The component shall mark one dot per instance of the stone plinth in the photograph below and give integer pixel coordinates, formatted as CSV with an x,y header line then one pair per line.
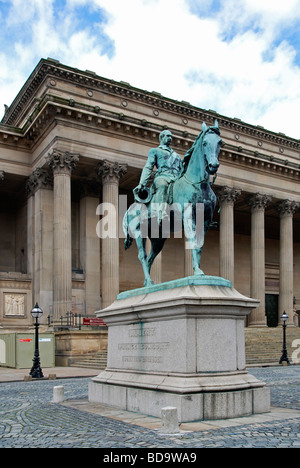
x,y
180,344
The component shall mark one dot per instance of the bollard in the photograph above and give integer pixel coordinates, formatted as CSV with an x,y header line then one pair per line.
x,y
27,378
169,420
58,394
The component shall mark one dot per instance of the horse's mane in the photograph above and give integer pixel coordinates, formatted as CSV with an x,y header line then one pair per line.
x,y
188,154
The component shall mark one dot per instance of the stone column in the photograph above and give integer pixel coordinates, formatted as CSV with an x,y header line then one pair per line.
x,y
286,210
258,204
62,164
110,174
227,197
188,261
90,245
39,188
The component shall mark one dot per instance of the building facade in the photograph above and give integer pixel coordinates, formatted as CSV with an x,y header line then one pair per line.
x,y
72,141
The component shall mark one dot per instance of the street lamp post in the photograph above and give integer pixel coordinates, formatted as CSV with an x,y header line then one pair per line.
x,y
36,371
284,357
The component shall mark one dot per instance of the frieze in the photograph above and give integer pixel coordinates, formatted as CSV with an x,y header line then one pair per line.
x,y
50,69
14,304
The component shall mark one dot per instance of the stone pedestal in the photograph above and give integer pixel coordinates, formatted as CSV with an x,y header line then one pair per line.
x,y
180,344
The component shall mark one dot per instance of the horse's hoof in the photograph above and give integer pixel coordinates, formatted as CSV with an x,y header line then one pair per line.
x,y
199,272
148,283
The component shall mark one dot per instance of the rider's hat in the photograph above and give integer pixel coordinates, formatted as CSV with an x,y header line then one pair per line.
x,y
142,195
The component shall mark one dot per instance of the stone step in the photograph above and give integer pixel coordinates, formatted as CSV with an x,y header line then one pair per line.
x,y
264,346
92,361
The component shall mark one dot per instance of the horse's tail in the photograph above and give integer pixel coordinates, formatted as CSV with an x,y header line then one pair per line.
x,y
128,242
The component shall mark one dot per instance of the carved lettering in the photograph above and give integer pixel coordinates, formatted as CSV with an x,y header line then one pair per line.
x,y
136,332
143,346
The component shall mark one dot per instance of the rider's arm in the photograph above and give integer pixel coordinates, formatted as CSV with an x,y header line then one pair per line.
x,y
147,171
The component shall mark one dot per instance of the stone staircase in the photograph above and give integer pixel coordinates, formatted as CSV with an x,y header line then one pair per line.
x,y
92,361
264,345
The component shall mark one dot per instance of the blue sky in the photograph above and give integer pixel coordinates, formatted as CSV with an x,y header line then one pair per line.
x,y
238,57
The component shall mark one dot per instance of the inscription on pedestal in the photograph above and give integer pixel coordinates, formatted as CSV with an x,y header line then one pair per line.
x,y
140,351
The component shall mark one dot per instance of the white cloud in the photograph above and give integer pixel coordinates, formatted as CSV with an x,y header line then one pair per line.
x,y
231,58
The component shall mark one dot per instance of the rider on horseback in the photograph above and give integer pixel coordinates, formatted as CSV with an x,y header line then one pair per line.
x,y
169,168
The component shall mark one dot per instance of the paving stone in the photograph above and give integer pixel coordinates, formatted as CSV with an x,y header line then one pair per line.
x,y
28,418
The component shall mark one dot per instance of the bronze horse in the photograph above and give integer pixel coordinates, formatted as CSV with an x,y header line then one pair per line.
x,y
191,192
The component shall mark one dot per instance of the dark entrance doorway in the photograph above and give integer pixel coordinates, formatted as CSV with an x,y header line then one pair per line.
x,y
272,310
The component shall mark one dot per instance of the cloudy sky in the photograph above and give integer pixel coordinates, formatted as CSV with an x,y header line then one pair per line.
x,y
240,58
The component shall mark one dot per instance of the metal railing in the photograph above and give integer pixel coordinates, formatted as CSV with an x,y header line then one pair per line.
x,y
74,321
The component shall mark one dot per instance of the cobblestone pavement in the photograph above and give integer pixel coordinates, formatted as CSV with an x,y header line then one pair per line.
x,y
28,419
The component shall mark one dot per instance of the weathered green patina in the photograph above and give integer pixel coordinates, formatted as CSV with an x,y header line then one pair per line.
x,y
202,280
179,190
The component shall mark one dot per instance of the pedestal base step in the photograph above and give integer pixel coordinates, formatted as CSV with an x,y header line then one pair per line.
x,y
191,407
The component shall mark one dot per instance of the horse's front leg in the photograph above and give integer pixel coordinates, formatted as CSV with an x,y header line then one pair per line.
x,y
195,236
196,258
142,255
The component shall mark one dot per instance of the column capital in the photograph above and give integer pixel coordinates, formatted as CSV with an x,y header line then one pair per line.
x,y
40,179
111,171
287,208
62,162
259,202
1,176
228,195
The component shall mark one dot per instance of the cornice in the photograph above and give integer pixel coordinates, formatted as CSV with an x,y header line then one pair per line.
x,y
89,79
94,119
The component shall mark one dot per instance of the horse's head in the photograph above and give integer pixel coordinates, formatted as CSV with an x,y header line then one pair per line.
x,y
211,144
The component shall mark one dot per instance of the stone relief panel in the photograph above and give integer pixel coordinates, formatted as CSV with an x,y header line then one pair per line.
x,y
14,304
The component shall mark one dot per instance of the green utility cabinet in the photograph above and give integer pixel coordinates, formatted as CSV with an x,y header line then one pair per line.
x,y
17,350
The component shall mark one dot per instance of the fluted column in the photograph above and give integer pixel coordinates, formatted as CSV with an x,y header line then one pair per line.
x,y
110,174
62,164
90,244
39,189
227,197
286,210
258,204
188,261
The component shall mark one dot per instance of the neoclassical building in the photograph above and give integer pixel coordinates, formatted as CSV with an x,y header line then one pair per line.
x,y
72,141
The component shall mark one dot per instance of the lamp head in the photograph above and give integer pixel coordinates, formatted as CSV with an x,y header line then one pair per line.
x,y
284,317
36,311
